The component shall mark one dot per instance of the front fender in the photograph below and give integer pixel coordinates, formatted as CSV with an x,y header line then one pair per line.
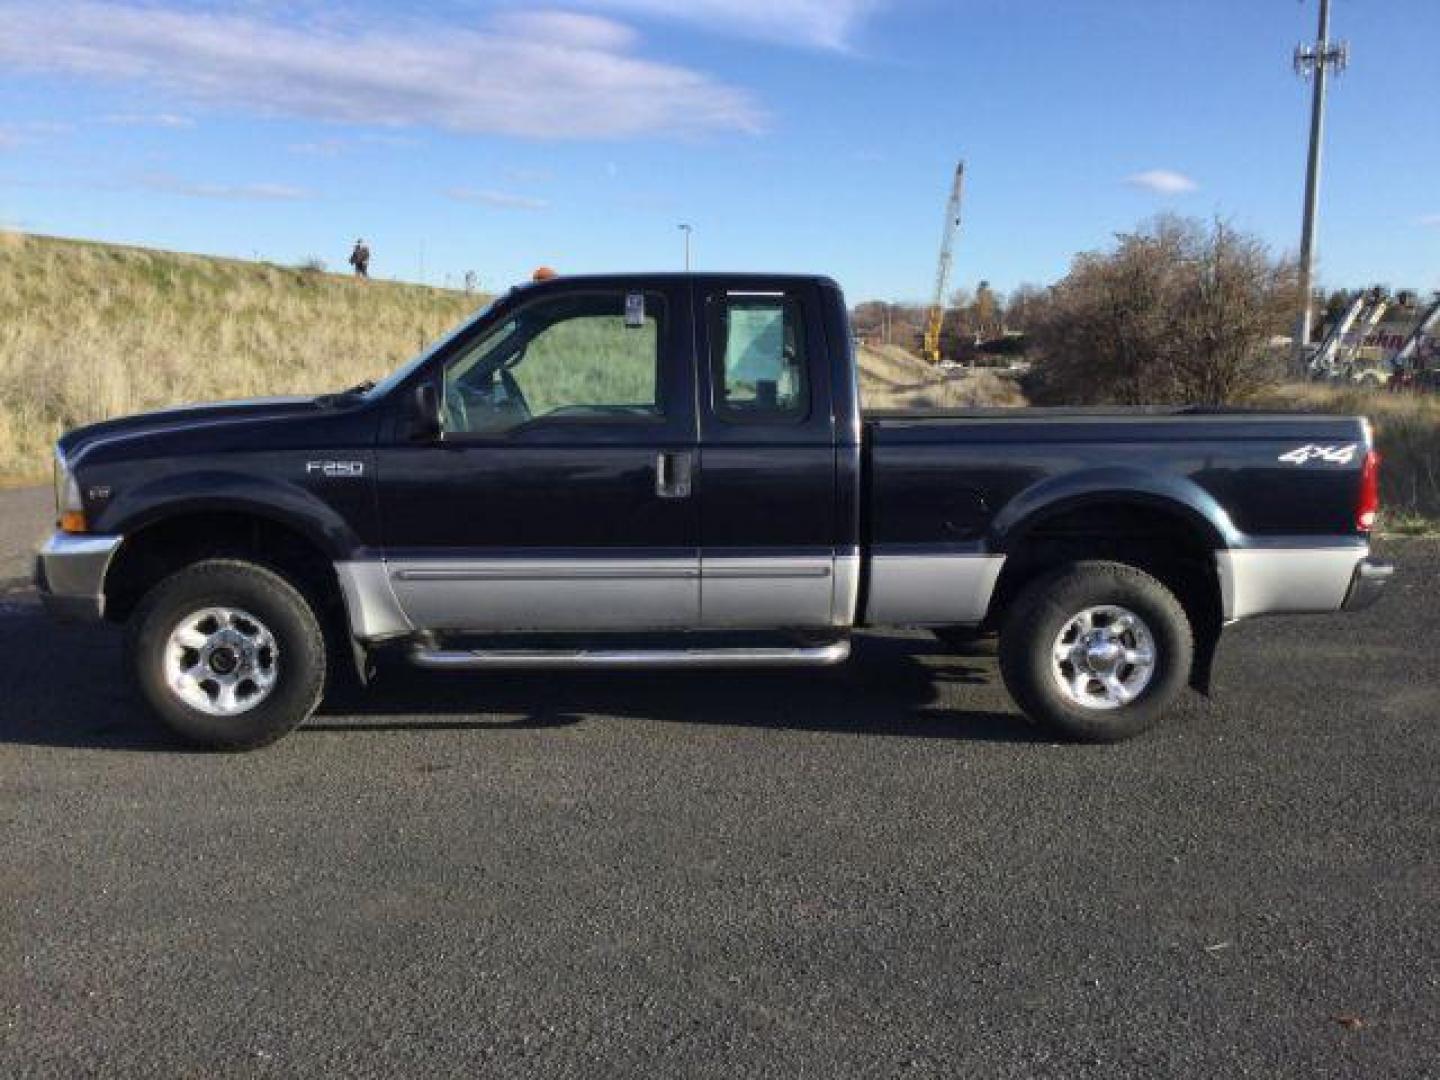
x,y
1112,485
220,491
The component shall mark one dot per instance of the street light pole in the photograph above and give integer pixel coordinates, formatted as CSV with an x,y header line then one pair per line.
x,y
1314,61
687,230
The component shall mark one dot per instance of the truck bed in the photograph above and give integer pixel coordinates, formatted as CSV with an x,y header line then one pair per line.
x,y
1003,460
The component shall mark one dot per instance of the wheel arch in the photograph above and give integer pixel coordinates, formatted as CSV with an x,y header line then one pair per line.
x,y
162,543
1174,539
1176,497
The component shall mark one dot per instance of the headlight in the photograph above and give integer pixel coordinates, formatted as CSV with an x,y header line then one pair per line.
x,y
69,508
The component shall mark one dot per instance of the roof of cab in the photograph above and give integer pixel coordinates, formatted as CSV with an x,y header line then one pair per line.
x,y
561,280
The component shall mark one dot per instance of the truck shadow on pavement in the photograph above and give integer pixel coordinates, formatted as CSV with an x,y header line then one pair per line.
x,y
64,686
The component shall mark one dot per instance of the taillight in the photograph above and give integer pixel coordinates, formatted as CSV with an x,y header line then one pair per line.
x,y
1368,505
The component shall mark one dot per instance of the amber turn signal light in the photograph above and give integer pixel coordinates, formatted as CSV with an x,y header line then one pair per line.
x,y
73,521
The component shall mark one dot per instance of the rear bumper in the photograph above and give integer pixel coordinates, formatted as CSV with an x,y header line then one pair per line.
x,y
1297,578
1367,584
70,575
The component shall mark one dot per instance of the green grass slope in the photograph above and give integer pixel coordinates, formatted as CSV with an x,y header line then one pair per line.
x,y
89,331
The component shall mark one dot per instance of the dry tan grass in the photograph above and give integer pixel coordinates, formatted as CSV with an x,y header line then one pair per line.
x,y
89,331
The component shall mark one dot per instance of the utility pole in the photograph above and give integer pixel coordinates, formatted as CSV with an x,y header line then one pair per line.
x,y
687,230
1314,61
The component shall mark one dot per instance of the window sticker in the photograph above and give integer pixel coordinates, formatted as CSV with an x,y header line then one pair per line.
x,y
755,345
634,310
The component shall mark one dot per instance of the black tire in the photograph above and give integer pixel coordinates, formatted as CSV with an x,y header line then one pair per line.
x,y
1047,607
299,652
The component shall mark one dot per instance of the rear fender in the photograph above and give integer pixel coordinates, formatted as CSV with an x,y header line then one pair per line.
x,y
1175,495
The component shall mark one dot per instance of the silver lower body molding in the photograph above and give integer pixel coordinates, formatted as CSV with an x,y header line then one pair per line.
x,y
524,660
1286,581
931,589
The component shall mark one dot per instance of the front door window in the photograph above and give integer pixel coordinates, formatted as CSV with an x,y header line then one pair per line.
x,y
586,357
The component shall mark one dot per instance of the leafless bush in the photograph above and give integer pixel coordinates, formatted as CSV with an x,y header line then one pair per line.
x,y
1178,312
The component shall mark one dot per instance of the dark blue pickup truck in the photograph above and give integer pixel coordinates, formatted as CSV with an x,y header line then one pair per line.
x,y
646,471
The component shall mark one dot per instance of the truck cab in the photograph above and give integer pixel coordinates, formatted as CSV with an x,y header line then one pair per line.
x,y
630,454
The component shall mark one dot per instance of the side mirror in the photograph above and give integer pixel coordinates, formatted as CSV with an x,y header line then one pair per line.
x,y
425,423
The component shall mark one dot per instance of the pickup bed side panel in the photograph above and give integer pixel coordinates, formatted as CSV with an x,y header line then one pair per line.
x,y
951,497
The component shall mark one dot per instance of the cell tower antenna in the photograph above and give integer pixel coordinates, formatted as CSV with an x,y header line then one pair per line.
x,y
1314,62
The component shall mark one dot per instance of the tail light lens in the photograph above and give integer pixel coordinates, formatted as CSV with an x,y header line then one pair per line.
x,y
1368,504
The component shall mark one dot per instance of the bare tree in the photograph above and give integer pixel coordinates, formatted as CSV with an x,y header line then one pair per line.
x,y
1022,306
1179,311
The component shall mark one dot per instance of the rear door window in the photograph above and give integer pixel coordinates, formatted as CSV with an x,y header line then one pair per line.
x,y
757,346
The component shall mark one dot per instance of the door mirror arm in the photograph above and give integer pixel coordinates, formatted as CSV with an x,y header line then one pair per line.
x,y
424,414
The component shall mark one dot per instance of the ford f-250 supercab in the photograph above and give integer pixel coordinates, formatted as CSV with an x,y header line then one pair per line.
x,y
673,471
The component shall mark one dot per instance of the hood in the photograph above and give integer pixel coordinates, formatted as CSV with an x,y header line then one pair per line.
x,y
182,418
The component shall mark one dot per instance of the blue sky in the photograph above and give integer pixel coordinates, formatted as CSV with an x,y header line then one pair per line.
x,y
806,135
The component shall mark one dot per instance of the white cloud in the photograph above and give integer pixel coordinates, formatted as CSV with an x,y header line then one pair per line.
x,y
530,75
1163,182
336,145
261,192
29,131
813,24
158,120
529,176
503,200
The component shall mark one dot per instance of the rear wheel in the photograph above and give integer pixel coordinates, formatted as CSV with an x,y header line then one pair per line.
x,y
228,654
1096,650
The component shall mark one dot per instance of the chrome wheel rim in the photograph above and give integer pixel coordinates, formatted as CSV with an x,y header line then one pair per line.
x,y
221,661
1103,657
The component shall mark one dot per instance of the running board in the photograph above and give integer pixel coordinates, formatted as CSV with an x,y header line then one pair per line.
x,y
520,659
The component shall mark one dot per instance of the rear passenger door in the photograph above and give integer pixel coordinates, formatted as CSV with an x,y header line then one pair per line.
x,y
768,469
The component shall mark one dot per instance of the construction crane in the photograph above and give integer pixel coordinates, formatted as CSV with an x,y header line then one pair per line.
x,y
1409,355
935,320
1324,363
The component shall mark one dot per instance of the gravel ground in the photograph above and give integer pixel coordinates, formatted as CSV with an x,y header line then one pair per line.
x,y
875,870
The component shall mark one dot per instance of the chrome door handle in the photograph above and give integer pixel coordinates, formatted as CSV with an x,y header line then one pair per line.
x,y
674,471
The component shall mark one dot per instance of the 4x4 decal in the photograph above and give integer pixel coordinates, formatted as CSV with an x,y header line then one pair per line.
x,y
1331,455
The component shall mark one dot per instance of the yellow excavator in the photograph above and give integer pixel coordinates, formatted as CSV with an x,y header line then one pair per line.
x,y
935,320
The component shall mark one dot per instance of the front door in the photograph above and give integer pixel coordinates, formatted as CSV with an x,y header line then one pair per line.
x,y
562,494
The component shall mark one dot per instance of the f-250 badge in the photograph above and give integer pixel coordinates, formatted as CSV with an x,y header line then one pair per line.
x,y
1331,455
336,470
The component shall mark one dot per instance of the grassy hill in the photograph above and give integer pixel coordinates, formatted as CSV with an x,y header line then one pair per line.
x,y
94,330
89,331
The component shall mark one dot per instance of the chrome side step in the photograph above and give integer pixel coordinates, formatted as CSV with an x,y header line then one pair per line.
x,y
521,659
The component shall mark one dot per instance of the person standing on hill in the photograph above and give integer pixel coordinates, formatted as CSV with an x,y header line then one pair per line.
x,y
360,259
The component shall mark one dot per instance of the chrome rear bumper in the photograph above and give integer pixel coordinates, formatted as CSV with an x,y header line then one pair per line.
x,y
1367,584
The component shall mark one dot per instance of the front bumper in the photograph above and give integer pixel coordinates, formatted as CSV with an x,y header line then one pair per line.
x,y
1367,584
70,574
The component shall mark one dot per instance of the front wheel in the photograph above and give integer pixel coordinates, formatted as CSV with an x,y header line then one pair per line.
x,y
228,654
1096,650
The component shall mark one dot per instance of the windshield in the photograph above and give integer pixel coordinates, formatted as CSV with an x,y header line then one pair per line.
x,y
400,374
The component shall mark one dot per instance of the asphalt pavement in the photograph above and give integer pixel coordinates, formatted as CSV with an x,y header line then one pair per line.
x,y
877,870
